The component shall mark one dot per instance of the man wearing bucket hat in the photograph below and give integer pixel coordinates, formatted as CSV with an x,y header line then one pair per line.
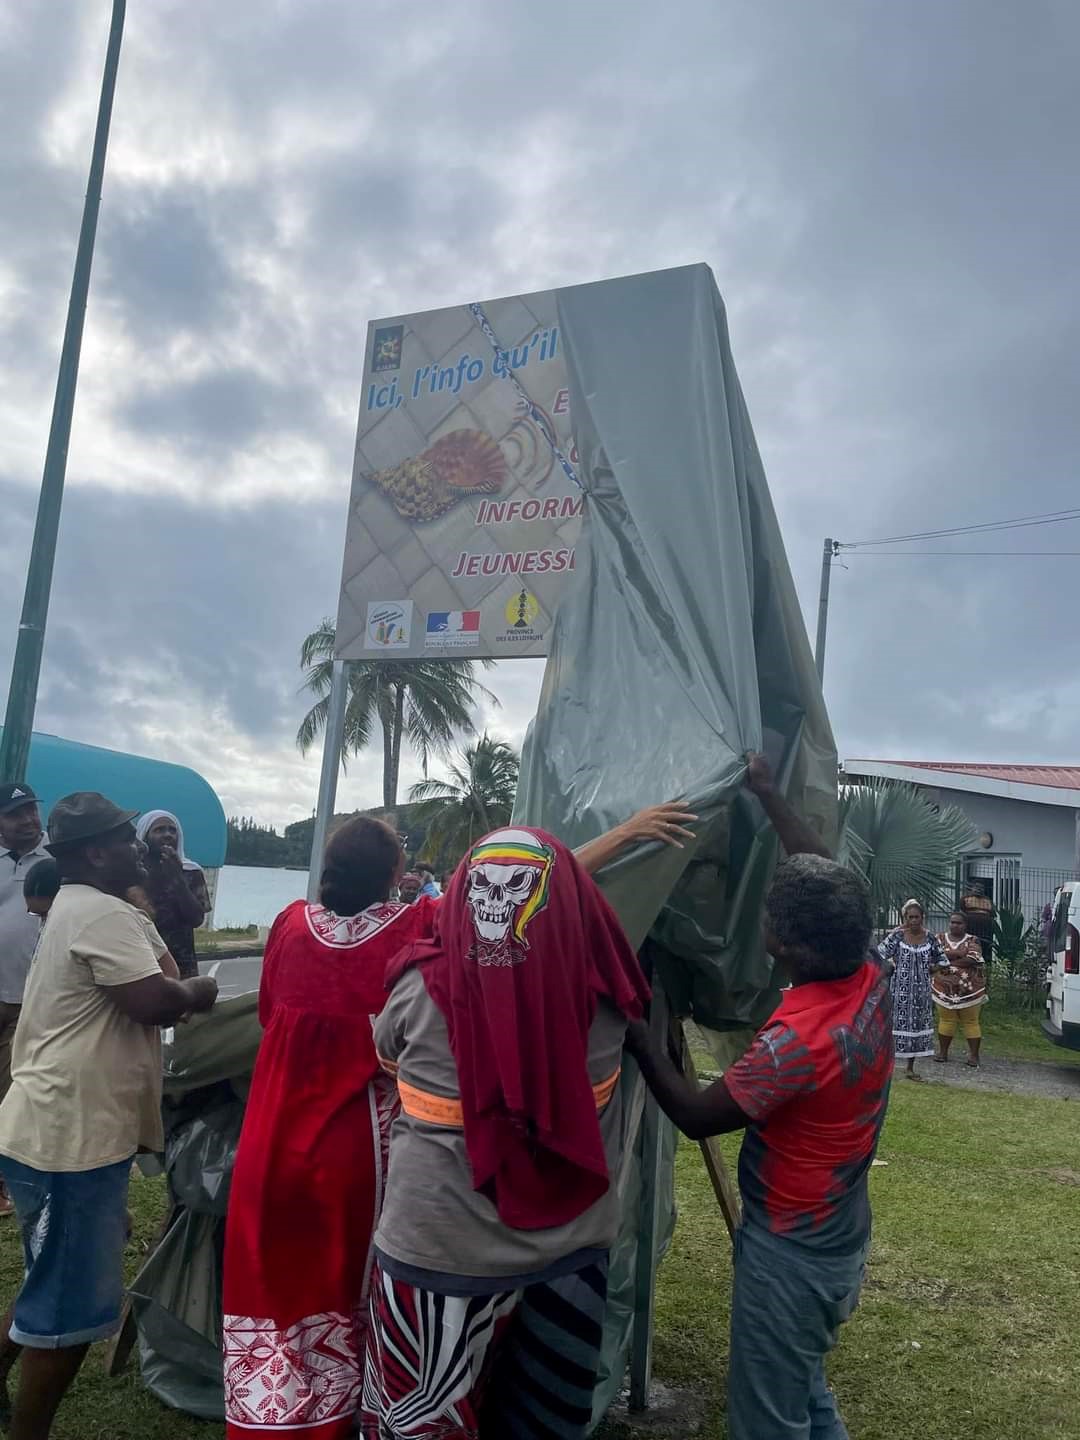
x,y
22,845
85,1096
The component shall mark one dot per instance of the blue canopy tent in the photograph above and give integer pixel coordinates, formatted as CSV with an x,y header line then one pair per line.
x,y
58,767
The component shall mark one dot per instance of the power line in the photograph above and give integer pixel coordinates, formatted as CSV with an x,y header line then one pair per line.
x,y
960,554
1021,522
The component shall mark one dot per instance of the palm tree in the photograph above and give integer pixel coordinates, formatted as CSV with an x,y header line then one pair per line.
x,y
477,798
426,702
901,844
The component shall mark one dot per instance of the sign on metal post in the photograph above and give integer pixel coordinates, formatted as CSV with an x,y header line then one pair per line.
x,y
465,506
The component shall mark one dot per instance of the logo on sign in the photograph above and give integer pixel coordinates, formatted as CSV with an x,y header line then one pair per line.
x,y
386,348
522,610
453,630
389,623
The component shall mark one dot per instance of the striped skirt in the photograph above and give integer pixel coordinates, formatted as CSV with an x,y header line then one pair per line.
x,y
483,1367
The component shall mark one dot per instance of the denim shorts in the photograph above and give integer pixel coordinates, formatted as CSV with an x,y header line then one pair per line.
x,y
74,1229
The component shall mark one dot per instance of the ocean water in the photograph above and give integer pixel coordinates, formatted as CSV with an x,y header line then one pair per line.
x,y
250,895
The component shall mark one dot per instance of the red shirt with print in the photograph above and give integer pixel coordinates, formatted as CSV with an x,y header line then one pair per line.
x,y
815,1084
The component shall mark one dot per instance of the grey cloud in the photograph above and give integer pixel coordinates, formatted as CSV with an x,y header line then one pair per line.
x,y
227,408
163,266
220,607
886,196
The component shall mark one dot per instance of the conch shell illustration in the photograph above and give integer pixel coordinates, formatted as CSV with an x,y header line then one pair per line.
x,y
464,462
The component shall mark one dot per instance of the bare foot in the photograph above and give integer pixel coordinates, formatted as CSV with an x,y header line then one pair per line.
x,y
941,1059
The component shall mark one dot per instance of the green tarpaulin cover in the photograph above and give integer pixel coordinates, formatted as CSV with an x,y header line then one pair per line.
x,y
680,647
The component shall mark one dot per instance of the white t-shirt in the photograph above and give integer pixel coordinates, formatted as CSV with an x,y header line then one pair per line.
x,y
85,1079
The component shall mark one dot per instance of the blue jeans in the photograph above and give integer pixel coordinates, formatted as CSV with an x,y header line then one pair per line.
x,y
74,1229
787,1306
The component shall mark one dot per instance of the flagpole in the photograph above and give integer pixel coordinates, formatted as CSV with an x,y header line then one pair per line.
x,y
26,668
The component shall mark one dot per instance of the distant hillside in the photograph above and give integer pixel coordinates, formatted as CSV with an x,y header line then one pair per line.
x,y
262,845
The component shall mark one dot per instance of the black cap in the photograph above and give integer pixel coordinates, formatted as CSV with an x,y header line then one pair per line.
x,y
84,816
14,797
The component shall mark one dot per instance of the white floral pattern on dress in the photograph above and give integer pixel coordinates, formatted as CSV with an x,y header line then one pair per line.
x,y
309,1374
342,931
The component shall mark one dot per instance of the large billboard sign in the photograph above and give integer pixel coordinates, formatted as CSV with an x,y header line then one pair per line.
x,y
465,508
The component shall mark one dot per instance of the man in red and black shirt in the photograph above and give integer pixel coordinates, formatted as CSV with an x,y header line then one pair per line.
x,y
811,1093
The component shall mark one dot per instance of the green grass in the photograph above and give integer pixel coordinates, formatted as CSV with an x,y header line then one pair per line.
x,y
1017,1035
99,1408
975,1261
975,1257
208,942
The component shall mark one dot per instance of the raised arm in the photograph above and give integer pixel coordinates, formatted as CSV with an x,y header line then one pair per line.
x,y
663,824
796,836
187,890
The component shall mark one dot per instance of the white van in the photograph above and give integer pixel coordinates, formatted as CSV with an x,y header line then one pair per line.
x,y
1062,1023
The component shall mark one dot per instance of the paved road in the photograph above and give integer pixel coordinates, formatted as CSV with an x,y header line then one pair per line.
x,y
1018,1077
238,975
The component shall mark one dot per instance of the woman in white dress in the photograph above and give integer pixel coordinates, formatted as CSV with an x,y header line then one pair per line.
x,y
915,953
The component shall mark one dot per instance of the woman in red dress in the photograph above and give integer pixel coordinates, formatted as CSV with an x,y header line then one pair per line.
x,y
308,1181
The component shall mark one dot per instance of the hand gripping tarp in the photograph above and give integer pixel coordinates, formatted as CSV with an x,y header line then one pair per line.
x,y
679,647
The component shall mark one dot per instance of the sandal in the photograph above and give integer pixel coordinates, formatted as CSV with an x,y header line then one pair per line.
x,y
911,1075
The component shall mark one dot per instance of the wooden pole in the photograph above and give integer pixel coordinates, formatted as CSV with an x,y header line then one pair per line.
x,y
724,1188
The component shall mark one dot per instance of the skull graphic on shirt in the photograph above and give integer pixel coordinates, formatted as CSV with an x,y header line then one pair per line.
x,y
508,881
496,893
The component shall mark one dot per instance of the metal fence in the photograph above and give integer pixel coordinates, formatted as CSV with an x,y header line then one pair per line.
x,y
1008,906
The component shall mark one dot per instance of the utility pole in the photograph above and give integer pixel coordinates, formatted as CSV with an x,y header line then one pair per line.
x,y
22,696
831,549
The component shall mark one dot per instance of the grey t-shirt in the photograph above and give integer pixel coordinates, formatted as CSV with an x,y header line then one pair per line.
x,y
18,931
432,1218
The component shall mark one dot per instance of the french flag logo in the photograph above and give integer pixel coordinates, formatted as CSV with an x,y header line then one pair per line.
x,y
454,622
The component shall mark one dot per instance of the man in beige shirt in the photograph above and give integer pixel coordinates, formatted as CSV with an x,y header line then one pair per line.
x,y
85,1095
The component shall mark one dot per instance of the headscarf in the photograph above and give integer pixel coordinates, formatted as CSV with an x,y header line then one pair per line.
x,y
524,946
145,824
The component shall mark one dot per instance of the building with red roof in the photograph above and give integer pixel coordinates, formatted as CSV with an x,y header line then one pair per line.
x,y
1026,818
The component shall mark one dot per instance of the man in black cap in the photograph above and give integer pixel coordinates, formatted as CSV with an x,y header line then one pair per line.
x,y
22,845
85,1096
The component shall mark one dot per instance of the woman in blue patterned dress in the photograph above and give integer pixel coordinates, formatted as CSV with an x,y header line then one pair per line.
x,y
915,953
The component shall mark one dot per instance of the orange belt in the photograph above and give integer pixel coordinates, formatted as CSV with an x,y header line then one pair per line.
x,y
438,1110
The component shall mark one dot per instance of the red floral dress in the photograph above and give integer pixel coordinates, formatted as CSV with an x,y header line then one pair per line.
x,y
310,1172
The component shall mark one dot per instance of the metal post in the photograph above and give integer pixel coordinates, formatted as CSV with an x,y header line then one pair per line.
x,y
652,1164
22,696
333,738
831,548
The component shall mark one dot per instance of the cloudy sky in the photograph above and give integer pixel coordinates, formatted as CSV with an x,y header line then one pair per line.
x,y
888,197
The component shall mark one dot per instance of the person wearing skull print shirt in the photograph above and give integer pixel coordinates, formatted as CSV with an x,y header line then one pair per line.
x,y
311,1164
505,1034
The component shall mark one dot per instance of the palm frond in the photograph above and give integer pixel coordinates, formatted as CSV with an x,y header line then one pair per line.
x,y
312,726
438,790
319,645
477,797
902,844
